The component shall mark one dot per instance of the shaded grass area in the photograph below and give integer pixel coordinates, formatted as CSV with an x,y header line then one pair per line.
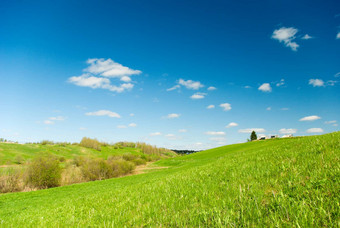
x,y
280,182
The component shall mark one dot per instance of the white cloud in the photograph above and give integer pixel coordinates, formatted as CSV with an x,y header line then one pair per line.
x,y
218,139
82,128
316,82
211,88
330,122
284,109
103,113
286,35
48,122
121,126
306,37
189,84
109,68
174,88
314,130
338,35
210,106
215,133
173,115
249,130
132,114
232,124
99,70
280,83
58,118
198,96
310,118
182,130
247,87
265,87
86,80
155,134
269,108
132,125
287,131
337,75
225,106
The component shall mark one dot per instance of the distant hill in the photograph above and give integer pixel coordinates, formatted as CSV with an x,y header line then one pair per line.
x,y
279,182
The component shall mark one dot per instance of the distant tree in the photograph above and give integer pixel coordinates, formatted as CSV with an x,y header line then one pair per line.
x,y
253,136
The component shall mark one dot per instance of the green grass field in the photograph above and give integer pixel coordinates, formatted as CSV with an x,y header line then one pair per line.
x,y
9,152
279,182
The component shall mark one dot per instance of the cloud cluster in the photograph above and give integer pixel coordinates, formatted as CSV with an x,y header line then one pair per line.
x,y
103,113
100,71
130,125
287,36
215,133
280,83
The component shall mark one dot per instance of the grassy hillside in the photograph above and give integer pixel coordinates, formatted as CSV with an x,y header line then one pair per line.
x,y
9,152
280,182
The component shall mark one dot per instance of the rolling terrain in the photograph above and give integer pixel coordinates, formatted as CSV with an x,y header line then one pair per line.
x,y
279,182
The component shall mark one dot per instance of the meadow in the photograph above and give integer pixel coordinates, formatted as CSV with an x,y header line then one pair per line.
x,y
278,182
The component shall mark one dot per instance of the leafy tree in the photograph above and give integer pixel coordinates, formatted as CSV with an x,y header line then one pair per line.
x,y
253,136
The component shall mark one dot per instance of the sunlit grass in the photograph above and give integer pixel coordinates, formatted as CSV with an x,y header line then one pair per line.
x,y
281,182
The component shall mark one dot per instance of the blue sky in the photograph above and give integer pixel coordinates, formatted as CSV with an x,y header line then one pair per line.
x,y
177,74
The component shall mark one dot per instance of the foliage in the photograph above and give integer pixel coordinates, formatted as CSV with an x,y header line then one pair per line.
x,y
44,172
90,143
253,136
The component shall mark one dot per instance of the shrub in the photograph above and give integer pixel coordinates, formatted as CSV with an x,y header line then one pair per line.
x,y
90,143
44,172
19,159
10,181
139,161
71,175
129,157
46,142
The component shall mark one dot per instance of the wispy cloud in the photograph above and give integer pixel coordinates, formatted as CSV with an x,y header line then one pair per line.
x,y
121,126
103,113
211,88
287,131
287,36
232,124
316,82
51,120
314,130
330,122
225,106
215,133
280,83
182,130
338,35
174,88
48,122
99,71
265,87
198,96
250,130
210,106
310,118
269,108
155,134
173,115
307,37
132,125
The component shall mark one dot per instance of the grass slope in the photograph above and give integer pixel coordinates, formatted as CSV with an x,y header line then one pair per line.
x,y
280,182
9,152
